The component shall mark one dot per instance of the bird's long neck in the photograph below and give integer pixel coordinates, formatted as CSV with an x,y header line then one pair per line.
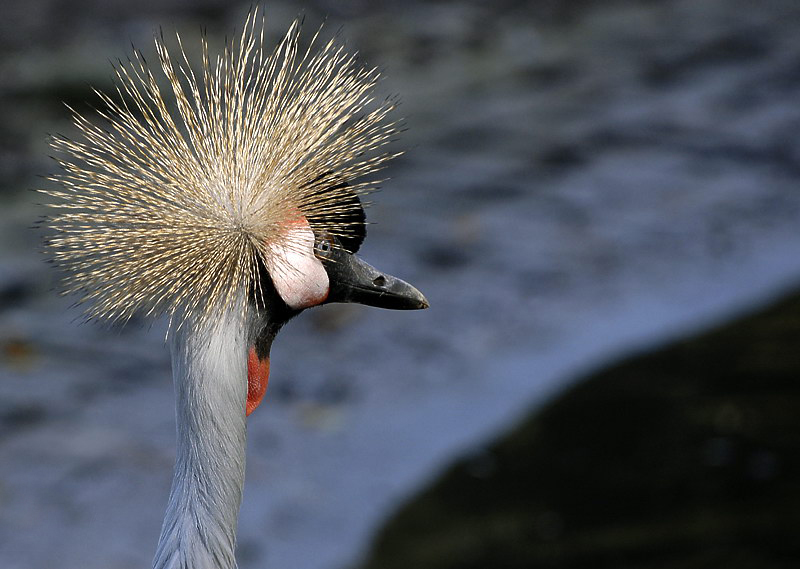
x,y
209,366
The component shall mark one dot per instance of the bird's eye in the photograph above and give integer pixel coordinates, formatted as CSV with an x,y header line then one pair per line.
x,y
324,246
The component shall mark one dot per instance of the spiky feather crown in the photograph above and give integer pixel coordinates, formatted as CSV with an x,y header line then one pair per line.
x,y
170,210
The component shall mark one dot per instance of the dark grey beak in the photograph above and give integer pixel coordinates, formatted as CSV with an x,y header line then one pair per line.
x,y
353,280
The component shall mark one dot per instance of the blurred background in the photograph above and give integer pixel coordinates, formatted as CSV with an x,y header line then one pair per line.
x,y
600,199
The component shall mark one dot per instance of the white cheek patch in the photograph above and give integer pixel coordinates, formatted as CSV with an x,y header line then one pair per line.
x,y
297,274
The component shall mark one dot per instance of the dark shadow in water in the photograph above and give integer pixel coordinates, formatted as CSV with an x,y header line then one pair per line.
x,y
685,457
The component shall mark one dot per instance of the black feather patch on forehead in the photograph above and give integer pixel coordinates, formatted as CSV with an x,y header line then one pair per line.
x,y
341,208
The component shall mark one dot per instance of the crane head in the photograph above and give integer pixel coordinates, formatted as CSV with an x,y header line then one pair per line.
x,y
310,268
228,191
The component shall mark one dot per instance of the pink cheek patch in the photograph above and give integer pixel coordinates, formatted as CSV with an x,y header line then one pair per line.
x,y
298,276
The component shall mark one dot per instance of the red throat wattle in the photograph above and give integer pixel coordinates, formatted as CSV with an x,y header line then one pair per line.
x,y
257,380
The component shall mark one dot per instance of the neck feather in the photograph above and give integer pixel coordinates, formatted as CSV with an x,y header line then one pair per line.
x,y
209,367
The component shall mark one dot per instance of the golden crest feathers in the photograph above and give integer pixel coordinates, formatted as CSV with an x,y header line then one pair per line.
x,y
170,206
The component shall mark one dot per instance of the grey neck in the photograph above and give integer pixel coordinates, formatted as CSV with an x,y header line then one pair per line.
x,y
209,367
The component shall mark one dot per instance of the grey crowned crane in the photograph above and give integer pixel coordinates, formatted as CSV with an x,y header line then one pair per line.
x,y
229,202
